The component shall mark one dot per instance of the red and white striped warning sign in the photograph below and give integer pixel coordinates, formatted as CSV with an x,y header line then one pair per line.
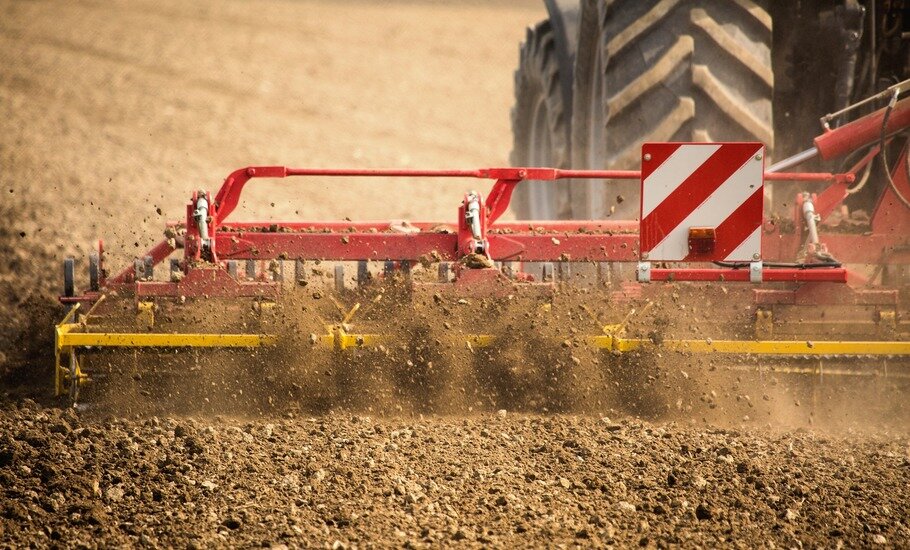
x,y
701,201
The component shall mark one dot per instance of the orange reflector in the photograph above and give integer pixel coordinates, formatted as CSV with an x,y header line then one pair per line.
x,y
701,240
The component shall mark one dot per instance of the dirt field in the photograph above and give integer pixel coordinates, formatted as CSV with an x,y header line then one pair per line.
x,y
112,113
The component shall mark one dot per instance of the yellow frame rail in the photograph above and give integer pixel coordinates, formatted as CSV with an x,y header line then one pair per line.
x,y
69,335
755,347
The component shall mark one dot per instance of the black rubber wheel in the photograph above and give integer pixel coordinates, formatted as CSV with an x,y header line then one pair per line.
x,y
540,127
663,70
69,277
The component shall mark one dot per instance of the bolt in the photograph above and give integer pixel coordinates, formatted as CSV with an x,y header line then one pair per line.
x,y
522,174
251,172
756,256
758,156
644,255
647,156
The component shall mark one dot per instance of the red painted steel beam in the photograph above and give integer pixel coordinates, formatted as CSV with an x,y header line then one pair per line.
x,y
553,226
769,275
229,195
848,248
336,246
401,246
862,132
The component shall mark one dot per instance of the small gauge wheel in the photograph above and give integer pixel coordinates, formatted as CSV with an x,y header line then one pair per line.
x,y
69,277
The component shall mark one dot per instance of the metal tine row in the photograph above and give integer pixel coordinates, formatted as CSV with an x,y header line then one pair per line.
x,y
145,271
274,271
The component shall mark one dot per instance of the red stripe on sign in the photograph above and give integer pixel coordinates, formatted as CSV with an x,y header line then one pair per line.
x,y
693,191
659,152
735,229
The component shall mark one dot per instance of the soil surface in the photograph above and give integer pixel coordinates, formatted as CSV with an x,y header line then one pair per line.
x,y
112,113
493,480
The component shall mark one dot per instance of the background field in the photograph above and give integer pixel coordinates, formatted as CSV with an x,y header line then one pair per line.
x,y
112,113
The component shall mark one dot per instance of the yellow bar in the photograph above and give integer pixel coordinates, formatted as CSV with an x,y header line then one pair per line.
x,y
337,337
825,371
327,340
357,340
757,347
158,340
481,340
344,340
602,342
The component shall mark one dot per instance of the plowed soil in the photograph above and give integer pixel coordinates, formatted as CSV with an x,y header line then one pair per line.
x,y
112,113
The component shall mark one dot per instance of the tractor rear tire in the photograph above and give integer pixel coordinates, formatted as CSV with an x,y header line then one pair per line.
x,y
664,70
540,126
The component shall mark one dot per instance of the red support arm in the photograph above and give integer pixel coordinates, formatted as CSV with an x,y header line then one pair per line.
x,y
498,200
862,132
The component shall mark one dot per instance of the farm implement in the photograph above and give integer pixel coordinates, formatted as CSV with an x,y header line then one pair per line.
x,y
708,273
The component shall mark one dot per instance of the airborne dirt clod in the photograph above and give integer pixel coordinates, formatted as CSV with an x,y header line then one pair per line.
x,y
111,114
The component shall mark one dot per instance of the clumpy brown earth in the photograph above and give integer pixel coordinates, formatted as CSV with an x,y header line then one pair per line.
x,y
112,113
500,479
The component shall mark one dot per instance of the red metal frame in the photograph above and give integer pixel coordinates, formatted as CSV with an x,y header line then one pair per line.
x,y
833,275
542,241
522,241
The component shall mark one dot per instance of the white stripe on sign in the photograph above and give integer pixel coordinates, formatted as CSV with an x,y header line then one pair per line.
x,y
714,210
747,248
667,177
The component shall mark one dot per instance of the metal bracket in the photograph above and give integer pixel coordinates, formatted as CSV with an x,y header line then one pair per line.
x,y
643,272
145,314
472,218
764,324
755,272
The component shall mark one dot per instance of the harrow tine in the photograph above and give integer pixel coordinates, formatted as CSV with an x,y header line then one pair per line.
x,y
232,268
339,278
92,309
337,305
443,272
276,269
363,273
604,276
251,270
94,272
300,275
388,268
350,314
175,270
592,315
547,272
